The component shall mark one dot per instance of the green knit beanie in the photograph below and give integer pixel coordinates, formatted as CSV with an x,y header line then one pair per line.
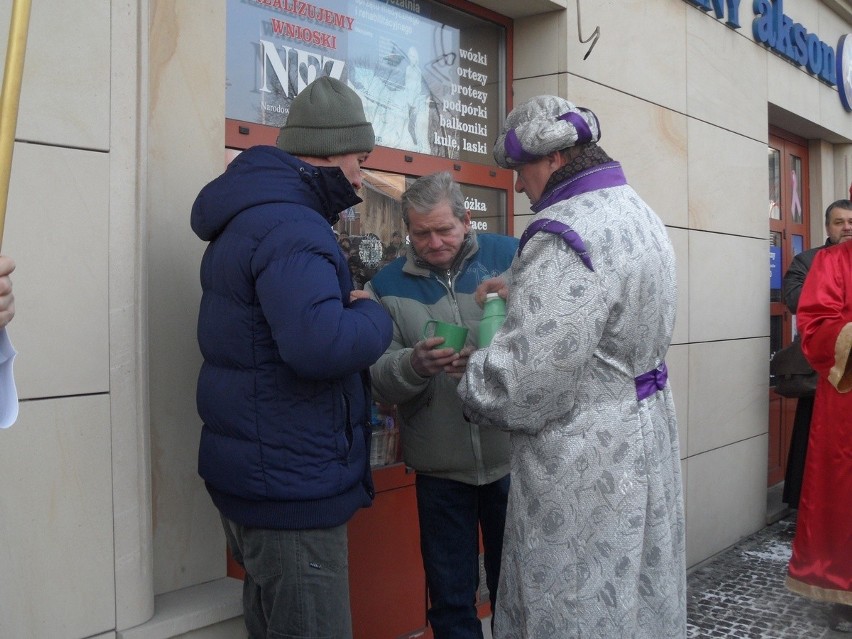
x,y
326,118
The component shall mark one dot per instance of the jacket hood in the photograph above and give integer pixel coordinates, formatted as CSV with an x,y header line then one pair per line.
x,y
267,175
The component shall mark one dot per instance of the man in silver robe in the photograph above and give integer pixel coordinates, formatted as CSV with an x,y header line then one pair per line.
x,y
594,540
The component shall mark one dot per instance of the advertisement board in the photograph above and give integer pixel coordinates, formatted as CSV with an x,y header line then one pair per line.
x,y
432,78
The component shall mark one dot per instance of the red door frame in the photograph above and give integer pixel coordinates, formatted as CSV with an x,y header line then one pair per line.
x,y
781,409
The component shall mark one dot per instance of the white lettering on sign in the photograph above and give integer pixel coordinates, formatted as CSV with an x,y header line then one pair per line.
x,y
308,66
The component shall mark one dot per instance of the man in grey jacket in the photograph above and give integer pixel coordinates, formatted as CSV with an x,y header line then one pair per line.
x,y
462,471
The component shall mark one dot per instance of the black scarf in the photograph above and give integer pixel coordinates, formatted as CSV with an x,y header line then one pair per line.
x,y
590,155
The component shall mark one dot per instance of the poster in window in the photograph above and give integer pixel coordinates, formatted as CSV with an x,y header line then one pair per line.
x,y
429,76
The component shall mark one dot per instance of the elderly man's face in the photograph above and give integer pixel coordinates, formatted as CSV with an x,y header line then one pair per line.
x,y
839,227
533,176
437,235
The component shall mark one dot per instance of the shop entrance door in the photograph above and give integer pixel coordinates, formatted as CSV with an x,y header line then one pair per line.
x,y
789,221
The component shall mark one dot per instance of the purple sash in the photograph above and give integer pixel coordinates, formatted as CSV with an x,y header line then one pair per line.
x,y
649,383
568,234
598,177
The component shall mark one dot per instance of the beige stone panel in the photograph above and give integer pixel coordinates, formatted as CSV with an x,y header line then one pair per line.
x,y
540,44
806,12
640,51
821,19
824,171
728,190
680,243
725,497
65,86
677,361
186,136
728,393
728,287
832,115
842,164
57,229
526,88
795,90
650,144
515,9
830,27
128,333
56,559
726,75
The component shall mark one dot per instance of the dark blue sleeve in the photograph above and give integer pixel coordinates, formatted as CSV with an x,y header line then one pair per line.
x,y
317,332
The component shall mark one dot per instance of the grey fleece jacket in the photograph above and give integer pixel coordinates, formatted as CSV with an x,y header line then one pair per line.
x,y
436,438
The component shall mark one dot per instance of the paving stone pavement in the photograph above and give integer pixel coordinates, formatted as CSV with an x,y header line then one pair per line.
x,y
741,593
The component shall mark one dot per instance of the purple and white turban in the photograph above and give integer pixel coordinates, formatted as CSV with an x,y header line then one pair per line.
x,y
541,125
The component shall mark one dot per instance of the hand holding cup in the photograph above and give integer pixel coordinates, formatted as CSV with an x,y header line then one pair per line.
x,y
457,367
453,334
439,347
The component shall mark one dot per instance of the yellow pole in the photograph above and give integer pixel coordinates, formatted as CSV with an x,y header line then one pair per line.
x,y
10,97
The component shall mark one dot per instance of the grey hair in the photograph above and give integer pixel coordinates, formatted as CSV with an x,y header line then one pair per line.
x,y
429,191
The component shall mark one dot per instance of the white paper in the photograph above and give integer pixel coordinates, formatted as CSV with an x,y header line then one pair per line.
x,y
8,390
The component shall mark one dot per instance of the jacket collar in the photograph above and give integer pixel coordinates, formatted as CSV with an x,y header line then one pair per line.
x,y
332,190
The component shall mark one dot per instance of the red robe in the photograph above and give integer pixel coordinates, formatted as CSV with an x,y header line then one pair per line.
x,y
821,565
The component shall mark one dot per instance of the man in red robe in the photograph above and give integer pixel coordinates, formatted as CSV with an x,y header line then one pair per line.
x,y
821,565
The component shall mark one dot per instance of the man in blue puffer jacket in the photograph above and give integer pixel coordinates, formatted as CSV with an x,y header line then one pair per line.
x,y
284,389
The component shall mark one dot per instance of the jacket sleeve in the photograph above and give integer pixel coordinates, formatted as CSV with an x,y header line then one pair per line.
x,y
794,278
394,379
528,377
319,334
825,319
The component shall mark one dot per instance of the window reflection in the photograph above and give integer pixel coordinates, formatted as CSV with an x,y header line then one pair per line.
x,y
796,189
775,264
774,184
372,234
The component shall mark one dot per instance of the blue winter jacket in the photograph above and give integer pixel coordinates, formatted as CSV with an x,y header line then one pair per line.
x,y
284,388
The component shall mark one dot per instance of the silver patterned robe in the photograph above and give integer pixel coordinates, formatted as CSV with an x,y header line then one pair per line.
x,y
594,543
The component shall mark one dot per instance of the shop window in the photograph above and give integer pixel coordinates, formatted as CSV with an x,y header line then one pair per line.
x,y
433,78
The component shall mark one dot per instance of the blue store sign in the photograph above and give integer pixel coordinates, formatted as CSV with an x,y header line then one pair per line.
x,y
844,70
775,267
792,40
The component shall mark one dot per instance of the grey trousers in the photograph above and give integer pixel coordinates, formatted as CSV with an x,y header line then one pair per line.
x,y
297,581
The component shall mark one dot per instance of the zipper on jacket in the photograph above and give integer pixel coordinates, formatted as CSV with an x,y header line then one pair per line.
x,y
347,422
450,285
